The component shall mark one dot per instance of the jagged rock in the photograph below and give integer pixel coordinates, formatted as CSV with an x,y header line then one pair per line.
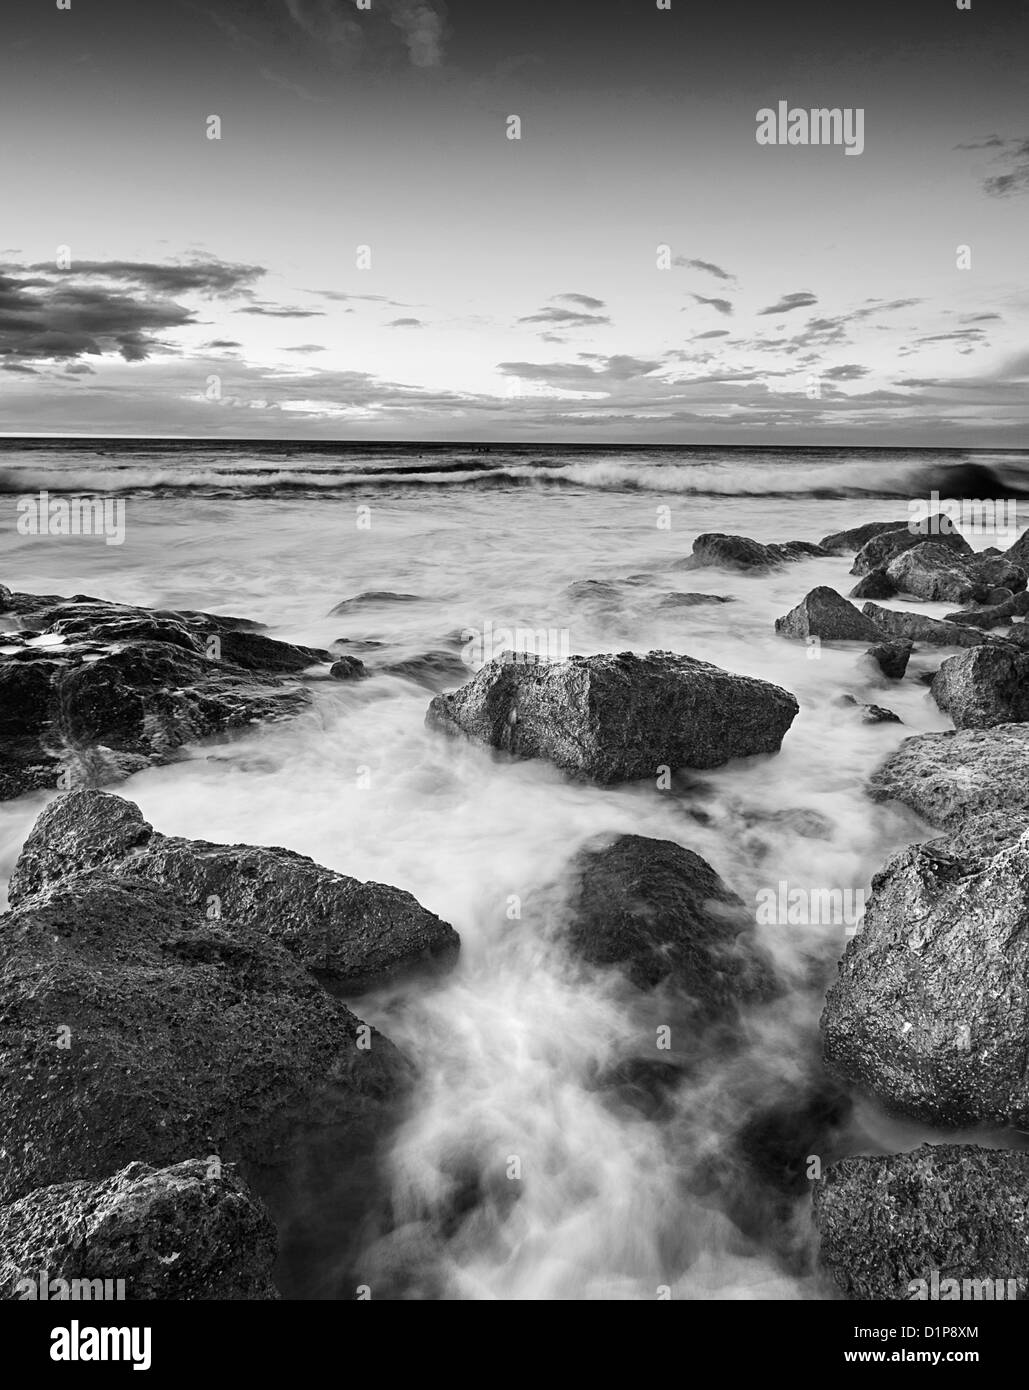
x,y
875,584
993,614
983,687
189,1232
349,934
919,628
663,913
1018,553
348,668
618,718
881,550
899,1226
108,689
871,714
677,600
931,1008
892,657
849,542
826,614
931,572
718,551
133,1028
950,777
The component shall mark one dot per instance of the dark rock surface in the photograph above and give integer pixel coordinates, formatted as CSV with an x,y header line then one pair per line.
x,y
959,1211
919,628
875,584
993,614
618,718
983,687
716,551
850,542
189,1232
826,614
892,657
881,550
350,934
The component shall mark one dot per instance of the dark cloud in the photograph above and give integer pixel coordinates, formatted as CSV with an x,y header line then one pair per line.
x,y
307,347
723,306
619,368
1012,154
211,277
405,323
801,299
711,333
584,301
708,267
848,371
282,311
220,343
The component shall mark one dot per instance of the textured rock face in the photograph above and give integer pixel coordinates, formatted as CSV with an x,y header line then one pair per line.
x,y
189,1232
849,542
618,718
95,691
984,687
936,572
918,628
899,1226
662,912
892,657
1018,554
133,1028
716,551
875,584
350,934
825,613
950,777
881,550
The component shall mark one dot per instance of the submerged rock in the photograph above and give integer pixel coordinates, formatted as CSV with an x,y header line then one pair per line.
x,y
826,614
371,598
663,913
892,657
949,777
930,1011
901,1226
983,687
350,934
919,628
870,714
188,1232
618,718
717,551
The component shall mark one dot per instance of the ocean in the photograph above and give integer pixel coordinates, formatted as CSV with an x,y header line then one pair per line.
x,y
616,1198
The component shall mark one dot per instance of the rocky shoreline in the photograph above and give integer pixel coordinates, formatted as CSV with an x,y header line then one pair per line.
x,y
173,1032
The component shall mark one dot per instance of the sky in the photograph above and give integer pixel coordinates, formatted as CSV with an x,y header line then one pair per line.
x,y
364,252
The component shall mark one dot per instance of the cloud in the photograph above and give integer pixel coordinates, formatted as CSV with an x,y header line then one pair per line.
x,y
220,343
306,347
847,371
349,32
708,267
1013,153
615,369
799,300
210,277
567,318
405,323
282,311
722,305
711,333
584,301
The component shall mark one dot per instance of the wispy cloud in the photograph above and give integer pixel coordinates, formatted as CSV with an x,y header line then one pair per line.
x,y
724,306
801,299
708,267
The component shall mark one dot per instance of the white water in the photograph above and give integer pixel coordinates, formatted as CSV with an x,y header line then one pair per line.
x,y
510,1045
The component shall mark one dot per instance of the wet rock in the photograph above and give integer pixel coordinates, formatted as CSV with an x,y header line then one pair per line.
x,y
1018,553
949,777
435,670
805,1118
348,933
931,1008
892,657
188,1232
875,584
826,614
717,551
131,1027
348,668
919,628
870,714
931,572
251,651
618,718
882,550
900,1226
663,913
371,598
674,600
849,542
983,687
993,614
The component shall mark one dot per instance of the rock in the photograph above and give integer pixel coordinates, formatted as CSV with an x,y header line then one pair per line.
x,y
881,550
871,714
931,1008
898,1226
993,614
133,1028
371,598
618,718
849,542
919,628
435,670
931,572
347,933
999,572
188,1232
983,687
348,668
875,584
717,551
826,614
949,777
892,657
662,913
1018,553
112,689
676,600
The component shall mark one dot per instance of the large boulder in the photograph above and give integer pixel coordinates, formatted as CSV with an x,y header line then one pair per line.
x,y
944,1221
716,551
875,584
93,691
989,615
618,718
662,913
983,687
849,542
348,933
937,573
881,550
918,628
949,777
1018,553
826,614
131,1027
930,1012
188,1232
